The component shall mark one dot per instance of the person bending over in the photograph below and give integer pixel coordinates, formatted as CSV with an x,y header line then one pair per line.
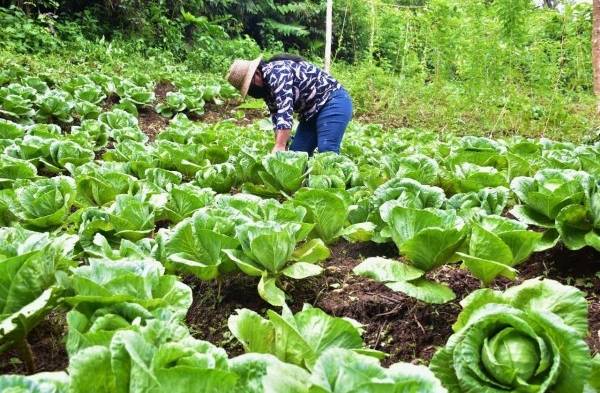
x,y
289,84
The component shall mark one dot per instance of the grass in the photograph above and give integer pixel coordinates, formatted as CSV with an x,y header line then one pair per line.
x,y
466,108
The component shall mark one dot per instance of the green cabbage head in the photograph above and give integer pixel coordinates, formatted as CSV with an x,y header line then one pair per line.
x,y
530,338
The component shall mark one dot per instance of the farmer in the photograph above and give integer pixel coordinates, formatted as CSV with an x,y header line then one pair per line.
x,y
289,83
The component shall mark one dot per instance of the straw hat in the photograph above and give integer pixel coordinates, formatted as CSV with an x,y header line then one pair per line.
x,y
241,73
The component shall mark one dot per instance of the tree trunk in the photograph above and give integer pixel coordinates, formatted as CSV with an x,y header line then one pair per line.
x,y
596,50
328,34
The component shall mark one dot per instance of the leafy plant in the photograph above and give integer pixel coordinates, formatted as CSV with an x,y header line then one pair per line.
x,y
284,171
16,107
10,130
343,371
496,245
92,131
118,119
100,185
404,192
45,203
418,167
330,170
218,177
57,105
64,152
404,278
28,281
56,382
106,282
174,103
259,372
579,225
90,326
183,200
267,249
485,201
467,177
101,248
530,337
12,169
131,218
297,338
149,358
543,196
429,238
196,246
138,95
328,210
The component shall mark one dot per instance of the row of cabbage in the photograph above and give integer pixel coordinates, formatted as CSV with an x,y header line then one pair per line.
x,y
126,333
29,99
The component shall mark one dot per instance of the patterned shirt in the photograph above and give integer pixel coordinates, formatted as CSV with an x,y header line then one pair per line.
x,y
296,86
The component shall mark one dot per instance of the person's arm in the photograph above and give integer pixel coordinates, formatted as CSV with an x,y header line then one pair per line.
x,y
281,139
281,81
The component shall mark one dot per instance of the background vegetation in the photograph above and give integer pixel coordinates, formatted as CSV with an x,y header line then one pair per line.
x,y
468,66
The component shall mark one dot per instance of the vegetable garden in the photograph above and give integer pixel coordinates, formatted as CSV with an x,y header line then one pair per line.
x,y
149,244
188,260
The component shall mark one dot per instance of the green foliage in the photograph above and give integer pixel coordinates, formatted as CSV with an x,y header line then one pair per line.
x,y
496,245
404,278
530,337
428,238
45,203
296,338
30,264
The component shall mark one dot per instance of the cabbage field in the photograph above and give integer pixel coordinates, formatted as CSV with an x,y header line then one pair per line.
x,y
150,244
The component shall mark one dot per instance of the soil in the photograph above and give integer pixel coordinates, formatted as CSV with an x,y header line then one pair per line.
x,y
109,102
161,90
151,123
214,113
47,343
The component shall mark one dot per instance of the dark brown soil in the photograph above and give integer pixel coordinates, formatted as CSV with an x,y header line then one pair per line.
x,y
151,123
161,90
109,102
47,343
207,318
215,113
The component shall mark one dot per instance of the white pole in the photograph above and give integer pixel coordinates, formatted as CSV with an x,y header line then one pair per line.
x,y
328,34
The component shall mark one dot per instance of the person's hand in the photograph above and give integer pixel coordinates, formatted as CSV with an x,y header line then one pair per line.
x,y
278,147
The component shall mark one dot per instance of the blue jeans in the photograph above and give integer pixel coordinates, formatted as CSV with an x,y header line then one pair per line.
x,y
325,129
